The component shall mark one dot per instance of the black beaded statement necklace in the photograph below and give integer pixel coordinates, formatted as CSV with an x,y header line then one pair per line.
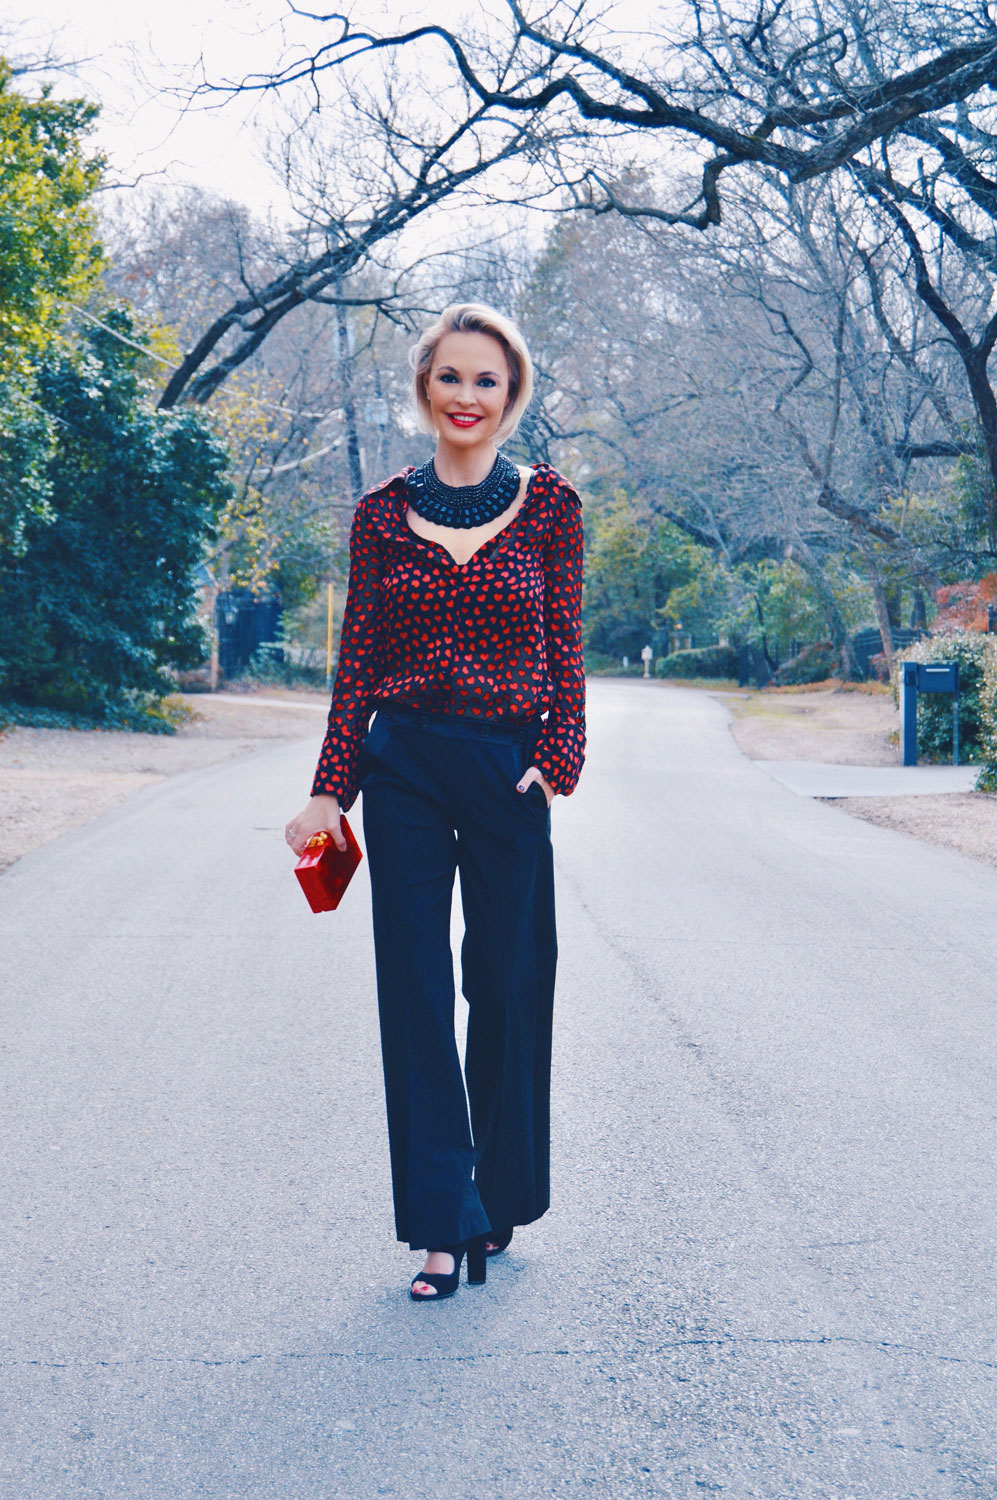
x,y
466,505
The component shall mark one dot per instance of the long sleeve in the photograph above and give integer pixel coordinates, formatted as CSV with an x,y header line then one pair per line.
x,y
561,749
359,666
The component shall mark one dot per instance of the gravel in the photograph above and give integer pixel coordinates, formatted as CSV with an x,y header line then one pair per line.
x,y
52,780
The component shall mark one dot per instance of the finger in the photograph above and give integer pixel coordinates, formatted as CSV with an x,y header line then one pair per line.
x,y
338,837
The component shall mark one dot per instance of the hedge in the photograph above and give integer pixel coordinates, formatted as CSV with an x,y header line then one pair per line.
x,y
987,779
698,661
815,663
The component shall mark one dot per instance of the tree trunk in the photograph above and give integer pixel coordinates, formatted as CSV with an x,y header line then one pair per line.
x,y
986,408
881,602
920,612
834,621
349,406
772,665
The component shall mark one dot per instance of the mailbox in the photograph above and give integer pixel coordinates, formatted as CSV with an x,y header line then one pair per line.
x,y
937,677
927,677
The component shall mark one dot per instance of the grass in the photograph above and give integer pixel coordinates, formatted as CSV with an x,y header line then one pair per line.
x,y
708,684
787,704
832,685
829,685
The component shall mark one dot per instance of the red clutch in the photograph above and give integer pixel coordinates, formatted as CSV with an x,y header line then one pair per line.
x,y
325,871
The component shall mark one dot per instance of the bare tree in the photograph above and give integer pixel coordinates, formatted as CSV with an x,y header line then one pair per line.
x,y
801,90
742,387
387,178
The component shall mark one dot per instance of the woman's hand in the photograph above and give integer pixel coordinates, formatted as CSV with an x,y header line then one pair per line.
x,y
320,816
532,774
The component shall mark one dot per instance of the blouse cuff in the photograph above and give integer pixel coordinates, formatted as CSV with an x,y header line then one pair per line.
x,y
560,754
337,772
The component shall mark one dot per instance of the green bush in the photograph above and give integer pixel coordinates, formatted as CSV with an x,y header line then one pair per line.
x,y
271,666
987,779
700,661
100,594
142,712
815,663
976,655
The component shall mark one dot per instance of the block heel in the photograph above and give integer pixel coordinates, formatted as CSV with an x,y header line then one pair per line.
x,y
445,1285
477,1262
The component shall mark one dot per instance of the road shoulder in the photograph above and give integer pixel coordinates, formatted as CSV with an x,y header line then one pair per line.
x,y
55,780
858,728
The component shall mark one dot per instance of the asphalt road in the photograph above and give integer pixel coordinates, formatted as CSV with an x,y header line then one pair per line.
x,y
769,1266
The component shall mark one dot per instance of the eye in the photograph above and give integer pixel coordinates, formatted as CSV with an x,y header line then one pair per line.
x,y
486,380
448,378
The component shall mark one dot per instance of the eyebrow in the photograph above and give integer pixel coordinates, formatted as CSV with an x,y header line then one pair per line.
x,y
454,371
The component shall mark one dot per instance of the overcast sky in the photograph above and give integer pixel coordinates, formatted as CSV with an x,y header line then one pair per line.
x,y
132,54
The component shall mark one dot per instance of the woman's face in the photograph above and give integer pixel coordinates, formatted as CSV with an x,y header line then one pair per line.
x,y
468,388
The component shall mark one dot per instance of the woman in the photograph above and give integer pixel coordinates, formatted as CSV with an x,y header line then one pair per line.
x,y
462,627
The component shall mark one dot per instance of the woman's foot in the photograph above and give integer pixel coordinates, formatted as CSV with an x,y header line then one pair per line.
x,y
496,1242
438,1263
440,1276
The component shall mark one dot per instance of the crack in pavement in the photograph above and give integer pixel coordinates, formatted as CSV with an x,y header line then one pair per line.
x,y
719,1341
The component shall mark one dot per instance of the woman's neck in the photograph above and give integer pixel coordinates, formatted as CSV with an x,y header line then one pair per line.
x,y
460,466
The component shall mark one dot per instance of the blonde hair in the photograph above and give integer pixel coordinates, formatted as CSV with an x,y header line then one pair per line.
x,y
475,317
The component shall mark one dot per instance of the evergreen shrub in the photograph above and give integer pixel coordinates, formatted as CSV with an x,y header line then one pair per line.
x,y
100,593
143,712
815,663
698,661
987,779
273,666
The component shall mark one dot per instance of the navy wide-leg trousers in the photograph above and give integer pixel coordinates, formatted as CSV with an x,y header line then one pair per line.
x,y
469,1151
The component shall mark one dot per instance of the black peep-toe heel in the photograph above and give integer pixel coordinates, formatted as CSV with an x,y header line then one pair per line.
x,y
446,1285
499,1242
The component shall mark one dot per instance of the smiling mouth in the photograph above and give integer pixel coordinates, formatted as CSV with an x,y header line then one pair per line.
x,y
463,419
